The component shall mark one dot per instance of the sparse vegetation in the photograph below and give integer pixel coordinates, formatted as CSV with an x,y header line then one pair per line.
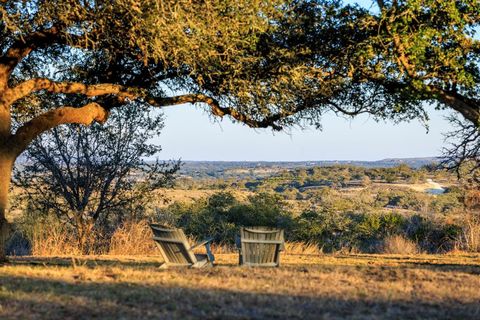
x,y
304,287
331,218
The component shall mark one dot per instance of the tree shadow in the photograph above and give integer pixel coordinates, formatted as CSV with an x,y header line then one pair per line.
x,y
32,297
87,261
416,263
53,299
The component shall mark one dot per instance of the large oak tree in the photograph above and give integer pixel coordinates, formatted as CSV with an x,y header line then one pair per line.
x,y
264,63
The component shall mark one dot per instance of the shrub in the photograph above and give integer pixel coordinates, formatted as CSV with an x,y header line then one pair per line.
x,y
18,245
221,215
447,202
404,199
327,228
392,223
433,234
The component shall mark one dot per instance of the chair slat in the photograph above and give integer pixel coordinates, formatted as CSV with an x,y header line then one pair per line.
x,y
175,249
262,241
170,240
260,246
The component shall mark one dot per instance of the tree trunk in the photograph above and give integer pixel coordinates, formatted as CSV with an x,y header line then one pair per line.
x,y
6,165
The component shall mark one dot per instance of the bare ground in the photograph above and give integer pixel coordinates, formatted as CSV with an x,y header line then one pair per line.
x,y
305,287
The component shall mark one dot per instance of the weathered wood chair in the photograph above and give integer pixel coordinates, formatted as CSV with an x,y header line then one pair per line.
x,y
260,246
176,251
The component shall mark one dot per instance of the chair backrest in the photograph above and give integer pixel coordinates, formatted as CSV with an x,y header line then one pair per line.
x,y
173,245
261,246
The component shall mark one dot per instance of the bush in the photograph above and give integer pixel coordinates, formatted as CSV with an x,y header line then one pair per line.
x,y
221,215
404,199
433,234
333,230
327,228
447,202
18,245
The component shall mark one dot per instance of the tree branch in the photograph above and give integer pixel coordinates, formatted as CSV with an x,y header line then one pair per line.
x,y
25,88
381,4
468,108
90,90
44,122
23,46
338,109
219,111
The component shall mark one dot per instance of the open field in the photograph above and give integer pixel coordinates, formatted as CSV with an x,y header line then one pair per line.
x,y
305,287
189,196
419,187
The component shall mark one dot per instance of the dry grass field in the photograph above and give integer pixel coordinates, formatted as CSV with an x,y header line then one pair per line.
x,y
188,196
304,287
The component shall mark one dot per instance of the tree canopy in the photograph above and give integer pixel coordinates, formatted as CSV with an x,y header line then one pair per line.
x,y
270,63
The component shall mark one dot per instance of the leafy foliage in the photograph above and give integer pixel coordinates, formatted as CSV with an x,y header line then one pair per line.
x,y
332,228
221,215
275,62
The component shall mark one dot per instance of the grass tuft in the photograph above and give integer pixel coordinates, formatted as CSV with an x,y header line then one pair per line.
x,y
132,238
398,244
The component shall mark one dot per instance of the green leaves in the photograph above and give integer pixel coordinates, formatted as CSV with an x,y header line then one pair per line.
x,y
273,62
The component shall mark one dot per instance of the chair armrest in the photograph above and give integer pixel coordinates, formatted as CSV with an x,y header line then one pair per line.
x,y
206,243
201,243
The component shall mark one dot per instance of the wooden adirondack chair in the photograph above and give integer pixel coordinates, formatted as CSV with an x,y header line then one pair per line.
x,y
176,251
260,246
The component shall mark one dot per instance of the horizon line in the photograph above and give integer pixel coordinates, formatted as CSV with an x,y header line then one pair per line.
x,y
336,160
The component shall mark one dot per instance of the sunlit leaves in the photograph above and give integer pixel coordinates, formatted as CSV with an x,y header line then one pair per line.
x,y
287,60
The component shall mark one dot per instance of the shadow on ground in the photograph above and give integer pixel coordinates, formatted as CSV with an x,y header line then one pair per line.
x,y
87,262
32,297
133,301
437,265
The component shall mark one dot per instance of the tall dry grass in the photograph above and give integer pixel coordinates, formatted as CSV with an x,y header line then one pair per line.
x,y
132,238
469,239
291,248
53,240
303,248
398,244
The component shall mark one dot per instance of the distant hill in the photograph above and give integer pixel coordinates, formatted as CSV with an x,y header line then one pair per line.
x,y
216,169
258,169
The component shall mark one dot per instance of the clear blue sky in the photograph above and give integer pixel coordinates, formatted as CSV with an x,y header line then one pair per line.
x,y
190,134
